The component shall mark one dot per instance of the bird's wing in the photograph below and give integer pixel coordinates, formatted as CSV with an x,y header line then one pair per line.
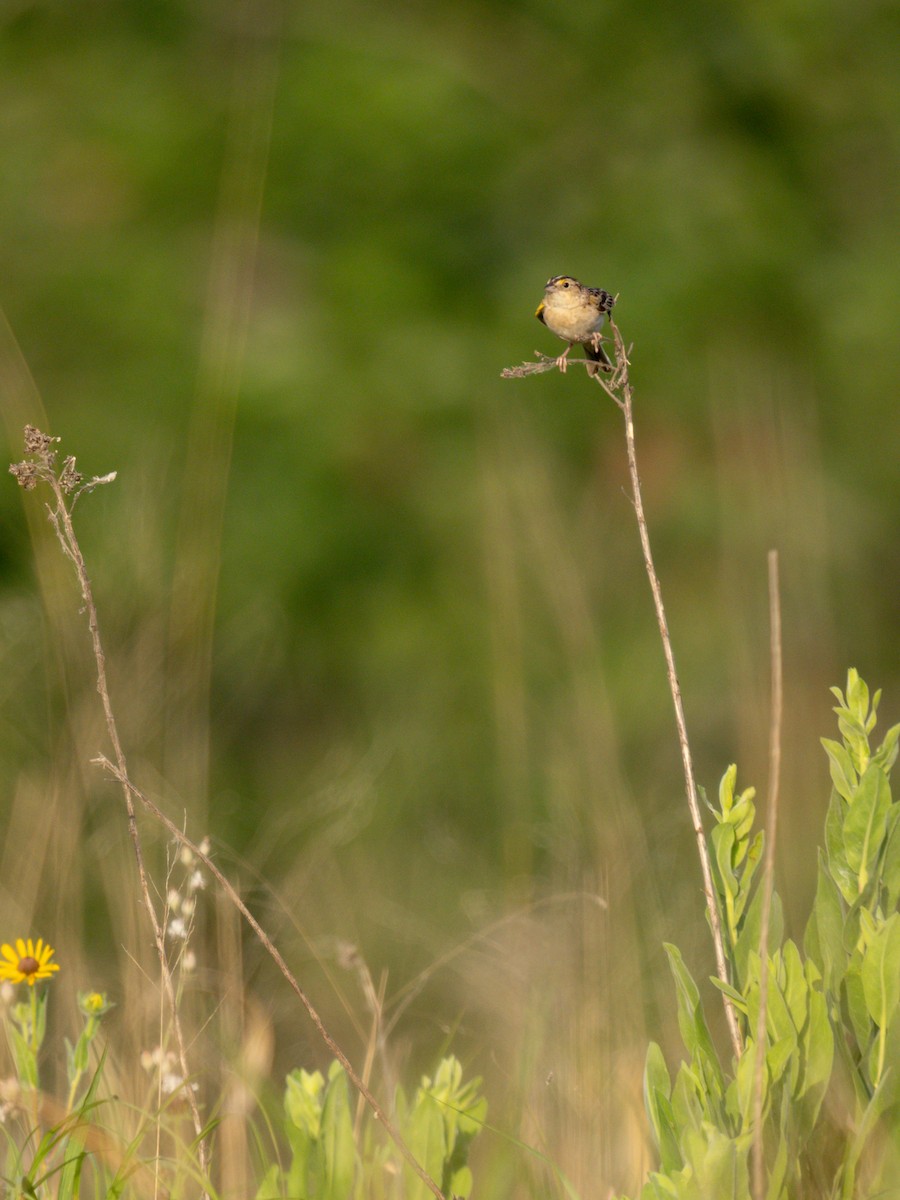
x,y
603,300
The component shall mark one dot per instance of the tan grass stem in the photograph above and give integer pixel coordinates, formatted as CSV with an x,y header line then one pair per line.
x,y
620,389
618,386
768,880
67,485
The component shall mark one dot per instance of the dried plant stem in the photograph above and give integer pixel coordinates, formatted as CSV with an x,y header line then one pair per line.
x,y
768,880
618,386
67,486
61,517
273,952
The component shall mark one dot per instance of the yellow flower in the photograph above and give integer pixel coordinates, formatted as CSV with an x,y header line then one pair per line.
x,y
94,1004
28,962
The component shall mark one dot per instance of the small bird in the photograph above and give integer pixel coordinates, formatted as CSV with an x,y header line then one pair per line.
x,y
576,313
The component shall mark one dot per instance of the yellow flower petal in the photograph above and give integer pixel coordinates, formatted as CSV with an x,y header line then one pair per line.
x,y
32,961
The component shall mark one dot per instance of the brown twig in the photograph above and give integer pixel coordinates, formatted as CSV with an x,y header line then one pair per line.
x,y
618,387
545,363
768,879
67,485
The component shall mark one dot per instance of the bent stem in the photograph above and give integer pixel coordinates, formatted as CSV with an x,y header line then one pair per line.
x,y
619,388
67,485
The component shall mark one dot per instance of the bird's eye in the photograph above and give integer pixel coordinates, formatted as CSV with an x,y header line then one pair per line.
x,y
566,284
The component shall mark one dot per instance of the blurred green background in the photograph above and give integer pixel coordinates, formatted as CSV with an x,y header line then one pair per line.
x,y
376,619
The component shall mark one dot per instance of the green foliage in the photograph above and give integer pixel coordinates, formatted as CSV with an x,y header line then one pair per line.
x,y
832,1018
331,1160
51,1159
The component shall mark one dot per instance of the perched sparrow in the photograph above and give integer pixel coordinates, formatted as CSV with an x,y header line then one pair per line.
x,y
575,313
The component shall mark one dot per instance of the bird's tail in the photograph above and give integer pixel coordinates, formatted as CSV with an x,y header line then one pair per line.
x,y
598,355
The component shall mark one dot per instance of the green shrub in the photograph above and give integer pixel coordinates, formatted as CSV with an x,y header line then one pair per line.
x,y
830,1082
330,1161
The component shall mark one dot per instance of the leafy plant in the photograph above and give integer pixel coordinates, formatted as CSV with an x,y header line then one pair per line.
x,y
329,1161
830,1077
47,1143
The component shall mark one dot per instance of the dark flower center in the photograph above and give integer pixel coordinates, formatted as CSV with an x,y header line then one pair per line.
x,y
28,966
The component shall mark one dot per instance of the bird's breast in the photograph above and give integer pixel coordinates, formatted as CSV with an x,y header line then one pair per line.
x,y
573,324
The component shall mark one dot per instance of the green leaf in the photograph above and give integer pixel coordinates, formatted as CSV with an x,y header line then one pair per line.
x,y
886,754
41,1022
657,1092
881,971
68,1174
463,1108
881,1098
726,789
740,1091
778,1172
823,941
865,822
834,847
723,844
692,1023
736,997
857,697
81,1054
461,1183
843,773
719,1164
779,1055
890,867
270,1187
742,817
338,1161
754,855
818,1061
464,1112
688,1096
857,1009
748,939
23,1056
656,1073
303,1101
796,986
659,1187
779,1021
303,1098
426,1139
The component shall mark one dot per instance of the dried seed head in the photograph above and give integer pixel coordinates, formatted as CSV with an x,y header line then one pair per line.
x,y
37,442
69,478
26,474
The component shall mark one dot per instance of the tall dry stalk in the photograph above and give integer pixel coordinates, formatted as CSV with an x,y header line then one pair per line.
x,y
618,387
67,486
768,880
